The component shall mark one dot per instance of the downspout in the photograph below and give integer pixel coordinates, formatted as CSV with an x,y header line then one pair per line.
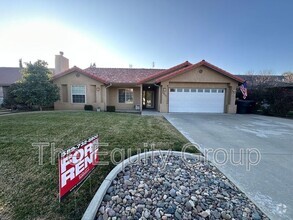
x,y
108,86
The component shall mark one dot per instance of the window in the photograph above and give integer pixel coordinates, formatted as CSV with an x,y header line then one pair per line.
x,y
186,90
207,90
200,90
220,90
193,90
125,96
214,91
179,90
172,90
78,94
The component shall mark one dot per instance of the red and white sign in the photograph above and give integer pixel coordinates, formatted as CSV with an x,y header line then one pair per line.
x,y
76,163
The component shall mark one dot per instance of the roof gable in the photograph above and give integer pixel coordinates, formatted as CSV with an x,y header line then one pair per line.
x,y
194,66
165,72
76,69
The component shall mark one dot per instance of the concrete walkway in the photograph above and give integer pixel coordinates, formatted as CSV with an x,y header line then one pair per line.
x,y
151,113
255,152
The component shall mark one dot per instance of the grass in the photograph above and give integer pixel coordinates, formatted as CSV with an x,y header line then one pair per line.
x,y
30,191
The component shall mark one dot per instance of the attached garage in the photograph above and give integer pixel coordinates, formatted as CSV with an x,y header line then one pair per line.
x,y
207,100
199,88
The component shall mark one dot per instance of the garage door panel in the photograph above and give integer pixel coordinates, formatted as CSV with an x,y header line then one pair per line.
x,y
203,100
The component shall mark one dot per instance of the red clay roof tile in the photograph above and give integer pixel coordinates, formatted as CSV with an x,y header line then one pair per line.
x,y
139,76
122,75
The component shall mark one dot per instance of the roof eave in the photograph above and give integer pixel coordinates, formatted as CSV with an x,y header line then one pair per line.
x,y
76,69
196,65
164,72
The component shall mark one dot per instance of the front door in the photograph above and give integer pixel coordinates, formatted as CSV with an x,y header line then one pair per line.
x,y
149,99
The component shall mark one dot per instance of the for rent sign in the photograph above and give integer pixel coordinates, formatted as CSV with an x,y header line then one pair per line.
x,y
76,163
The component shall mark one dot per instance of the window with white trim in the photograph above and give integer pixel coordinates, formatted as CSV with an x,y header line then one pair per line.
x,y
125,96
78,93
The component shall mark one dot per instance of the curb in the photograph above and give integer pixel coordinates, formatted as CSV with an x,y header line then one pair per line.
x,y
94,205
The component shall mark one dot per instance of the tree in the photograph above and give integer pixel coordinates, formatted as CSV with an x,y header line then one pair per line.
x,y
35,87
288,77
263,79
10,98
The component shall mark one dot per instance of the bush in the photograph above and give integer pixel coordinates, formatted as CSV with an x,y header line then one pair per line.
x,y
276,101
111,108
280,100
290,114
88,107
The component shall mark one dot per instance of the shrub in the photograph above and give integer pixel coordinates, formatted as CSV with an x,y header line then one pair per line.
x,y
110,108
280,100
276,101
290,114
88,107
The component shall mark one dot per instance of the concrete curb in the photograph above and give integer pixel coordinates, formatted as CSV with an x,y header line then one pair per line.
x,y
92,209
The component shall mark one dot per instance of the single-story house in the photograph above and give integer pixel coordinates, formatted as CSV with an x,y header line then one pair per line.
x,y
8,76
187,87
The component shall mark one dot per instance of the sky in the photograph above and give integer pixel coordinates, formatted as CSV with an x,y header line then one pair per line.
x,y
238,36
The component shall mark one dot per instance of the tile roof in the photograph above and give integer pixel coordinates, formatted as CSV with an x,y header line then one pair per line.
x,y
194,66
76,69
9,75
122,75
139,76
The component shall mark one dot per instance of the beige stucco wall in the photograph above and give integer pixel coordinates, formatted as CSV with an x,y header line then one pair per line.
x,y
194,79
95,92
112,98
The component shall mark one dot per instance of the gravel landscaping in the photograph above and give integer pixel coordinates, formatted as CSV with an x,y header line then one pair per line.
x,y
176,189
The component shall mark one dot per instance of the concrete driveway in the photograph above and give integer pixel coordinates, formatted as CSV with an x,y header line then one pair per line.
x,y
255,152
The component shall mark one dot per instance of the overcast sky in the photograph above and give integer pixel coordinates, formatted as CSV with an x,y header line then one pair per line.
x,y
238,36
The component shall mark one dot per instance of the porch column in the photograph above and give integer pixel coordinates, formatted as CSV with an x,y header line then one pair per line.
x,y
141,92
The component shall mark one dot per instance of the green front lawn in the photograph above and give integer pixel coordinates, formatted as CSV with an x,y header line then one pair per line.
x,y
30,191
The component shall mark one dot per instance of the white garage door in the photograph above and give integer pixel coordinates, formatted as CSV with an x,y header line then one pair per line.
x,y
196,100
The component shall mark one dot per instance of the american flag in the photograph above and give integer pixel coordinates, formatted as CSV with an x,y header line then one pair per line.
x,y
243,89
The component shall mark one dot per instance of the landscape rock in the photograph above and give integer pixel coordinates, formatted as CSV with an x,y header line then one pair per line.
x,y
180,191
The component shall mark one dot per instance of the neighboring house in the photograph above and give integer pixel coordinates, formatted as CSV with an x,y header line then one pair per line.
x,y
200,87
8,76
